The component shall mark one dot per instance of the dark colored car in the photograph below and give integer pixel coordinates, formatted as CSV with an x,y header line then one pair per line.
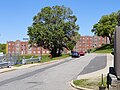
x,y
75,54
81,53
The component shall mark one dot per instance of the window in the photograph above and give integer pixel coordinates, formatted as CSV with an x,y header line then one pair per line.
x,y
29,52
43,52
34,52
38,48
38,51
87,45
34,48
47,52
8,47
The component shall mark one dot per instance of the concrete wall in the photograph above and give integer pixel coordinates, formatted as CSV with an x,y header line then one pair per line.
x,y
117,52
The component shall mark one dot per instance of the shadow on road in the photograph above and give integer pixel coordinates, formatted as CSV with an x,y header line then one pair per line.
x,y
96,64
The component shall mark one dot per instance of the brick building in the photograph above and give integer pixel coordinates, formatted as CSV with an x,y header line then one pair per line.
x,y
89,42
84,43
24,48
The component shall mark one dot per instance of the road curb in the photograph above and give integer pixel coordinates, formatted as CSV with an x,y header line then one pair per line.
x,y
90,75
77,87
7,70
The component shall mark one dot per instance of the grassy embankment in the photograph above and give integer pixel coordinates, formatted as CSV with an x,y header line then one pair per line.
x,y
103,49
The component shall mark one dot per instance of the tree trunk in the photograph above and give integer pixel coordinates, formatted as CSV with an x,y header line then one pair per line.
x,y
110,39
54,52
59,52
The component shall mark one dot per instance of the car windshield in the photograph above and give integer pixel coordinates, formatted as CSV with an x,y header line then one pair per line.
x,y
75,53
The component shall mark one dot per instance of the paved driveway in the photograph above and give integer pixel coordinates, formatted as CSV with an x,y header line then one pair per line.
x,y
54,76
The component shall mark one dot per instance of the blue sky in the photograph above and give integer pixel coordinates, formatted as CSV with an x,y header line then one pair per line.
x,y
16,15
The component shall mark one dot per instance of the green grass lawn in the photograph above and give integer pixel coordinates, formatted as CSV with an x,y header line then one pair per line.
x,y
103,49
90,83
29,56
86,83
45,58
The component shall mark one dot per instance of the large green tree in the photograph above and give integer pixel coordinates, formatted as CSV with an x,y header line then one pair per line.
x,y
3,48
106,26
54,28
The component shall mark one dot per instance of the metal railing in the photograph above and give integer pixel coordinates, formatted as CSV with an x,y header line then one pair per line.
x,y
12,59
31,60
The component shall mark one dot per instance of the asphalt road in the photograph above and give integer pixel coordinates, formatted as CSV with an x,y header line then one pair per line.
x,y
54,76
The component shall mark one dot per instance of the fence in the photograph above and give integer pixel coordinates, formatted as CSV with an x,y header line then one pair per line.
x,y
12,59
8,60
31,60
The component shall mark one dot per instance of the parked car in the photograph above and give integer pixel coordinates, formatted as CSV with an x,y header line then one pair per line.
x,y
81,53
75,54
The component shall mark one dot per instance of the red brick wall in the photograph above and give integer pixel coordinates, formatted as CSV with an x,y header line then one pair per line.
x,y
89,42
23,48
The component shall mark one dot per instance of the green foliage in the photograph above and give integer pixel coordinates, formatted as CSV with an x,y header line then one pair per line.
x,y
3,48
103,49
61,57
28,56
54,28
106,26
71,44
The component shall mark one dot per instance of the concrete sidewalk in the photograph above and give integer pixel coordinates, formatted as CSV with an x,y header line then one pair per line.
x,y
96,74
99,72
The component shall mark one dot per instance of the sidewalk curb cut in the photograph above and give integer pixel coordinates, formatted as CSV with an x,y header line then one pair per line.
x,y
106,68
77,87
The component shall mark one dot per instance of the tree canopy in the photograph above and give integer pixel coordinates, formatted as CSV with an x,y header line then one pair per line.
x,y
106,26
54,28
3,48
